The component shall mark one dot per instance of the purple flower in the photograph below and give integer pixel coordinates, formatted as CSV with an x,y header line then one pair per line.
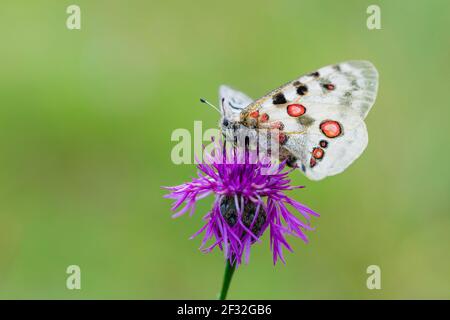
x,y
248,201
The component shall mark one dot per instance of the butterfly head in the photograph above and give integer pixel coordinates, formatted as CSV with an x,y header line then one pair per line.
x,y
229,126
229,122
232,103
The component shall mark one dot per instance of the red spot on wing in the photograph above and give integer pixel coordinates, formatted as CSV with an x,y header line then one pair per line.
x,y
331,128
318,153
312,162
264,117
329,86
277,125
254,114
282,138
296,110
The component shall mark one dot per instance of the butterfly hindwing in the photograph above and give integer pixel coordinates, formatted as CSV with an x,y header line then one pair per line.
x,y
328,145
232,102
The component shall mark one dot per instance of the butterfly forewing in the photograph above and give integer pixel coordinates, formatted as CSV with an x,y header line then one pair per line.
x,y
352,83
320,116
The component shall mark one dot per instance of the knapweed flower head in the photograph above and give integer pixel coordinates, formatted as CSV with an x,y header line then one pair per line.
x,y
249,198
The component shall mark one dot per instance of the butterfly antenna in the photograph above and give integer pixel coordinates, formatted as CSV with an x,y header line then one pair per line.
x,y
209,104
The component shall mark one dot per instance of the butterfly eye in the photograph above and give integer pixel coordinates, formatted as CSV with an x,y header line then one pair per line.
x,y
225,122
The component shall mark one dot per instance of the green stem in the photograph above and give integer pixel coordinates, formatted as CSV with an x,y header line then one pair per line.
x,y
229,270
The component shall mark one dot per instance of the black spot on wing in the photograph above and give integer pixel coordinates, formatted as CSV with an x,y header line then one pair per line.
x,y
305,121
323,143
233,106
279,98
329,86
302,89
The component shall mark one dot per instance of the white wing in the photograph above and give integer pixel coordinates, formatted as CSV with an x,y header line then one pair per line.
x,y
355,85
232,102
319,155
321,116
352,83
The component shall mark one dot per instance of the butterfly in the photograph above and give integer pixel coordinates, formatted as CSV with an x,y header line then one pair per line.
x,y
320,116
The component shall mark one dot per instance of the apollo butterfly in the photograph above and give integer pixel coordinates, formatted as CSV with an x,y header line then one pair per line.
x,y
320,116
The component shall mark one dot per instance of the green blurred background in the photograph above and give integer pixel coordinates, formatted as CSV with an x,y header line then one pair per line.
x,y
85,124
